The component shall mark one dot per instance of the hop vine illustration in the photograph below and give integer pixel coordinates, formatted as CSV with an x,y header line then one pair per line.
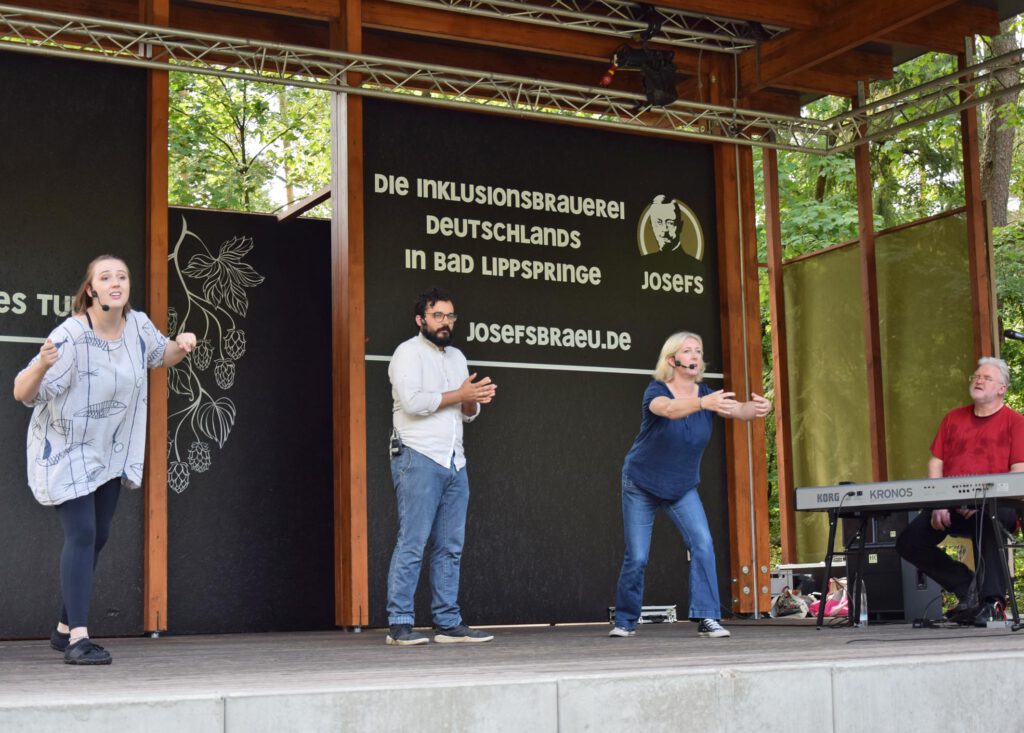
x,y
234,343
202,354
177,476
224,373
172,322
199,456
215,289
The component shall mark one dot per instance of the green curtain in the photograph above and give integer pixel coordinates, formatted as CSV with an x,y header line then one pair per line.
x,y
828,385
927,336
927,354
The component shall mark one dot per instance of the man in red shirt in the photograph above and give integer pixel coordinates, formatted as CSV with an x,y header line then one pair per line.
x,y
985,437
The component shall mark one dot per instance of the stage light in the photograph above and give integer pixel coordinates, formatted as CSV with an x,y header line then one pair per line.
x,y
659,73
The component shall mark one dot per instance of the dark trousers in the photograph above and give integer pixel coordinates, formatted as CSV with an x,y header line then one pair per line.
x,y
86,522
917,544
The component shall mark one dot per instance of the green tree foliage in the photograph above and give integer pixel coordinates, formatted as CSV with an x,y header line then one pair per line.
x,y
917,172
1009,264
245,146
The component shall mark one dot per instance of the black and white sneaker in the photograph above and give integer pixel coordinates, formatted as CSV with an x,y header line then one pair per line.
x,y
403,635
461,633
709,628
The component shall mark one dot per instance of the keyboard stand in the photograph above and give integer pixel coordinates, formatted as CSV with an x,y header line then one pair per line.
x,y
1009,542
854,580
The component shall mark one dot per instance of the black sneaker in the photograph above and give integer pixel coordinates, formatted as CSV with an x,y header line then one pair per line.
x,y
989,611
709,628
403,635
58,641
461,633
85,652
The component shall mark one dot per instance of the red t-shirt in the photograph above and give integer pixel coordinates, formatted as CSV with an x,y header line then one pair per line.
x,y
969,445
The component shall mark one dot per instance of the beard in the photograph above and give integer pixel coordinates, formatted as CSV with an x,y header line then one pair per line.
x,y
441,337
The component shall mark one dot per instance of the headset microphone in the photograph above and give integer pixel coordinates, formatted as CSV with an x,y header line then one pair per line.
x,y
675,362
96,297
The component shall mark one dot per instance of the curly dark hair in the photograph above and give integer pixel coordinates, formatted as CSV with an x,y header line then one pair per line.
x,y
428,299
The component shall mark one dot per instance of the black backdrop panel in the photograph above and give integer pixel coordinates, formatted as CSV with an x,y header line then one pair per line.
x,y
544,536
251,521
72,186
544,531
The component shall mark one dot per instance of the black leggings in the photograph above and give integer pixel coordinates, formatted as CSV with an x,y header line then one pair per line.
x,y
86,521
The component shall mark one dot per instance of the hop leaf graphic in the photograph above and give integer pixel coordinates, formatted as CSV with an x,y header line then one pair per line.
x,y
199,456
177,476
202,354
225,277
172,321
234,343
224,373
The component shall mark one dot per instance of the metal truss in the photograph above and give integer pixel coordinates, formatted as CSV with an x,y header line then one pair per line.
x,y
58,34
133,44
624,20
932,100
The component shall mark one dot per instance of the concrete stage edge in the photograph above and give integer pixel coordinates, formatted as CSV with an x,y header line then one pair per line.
x,y
563,678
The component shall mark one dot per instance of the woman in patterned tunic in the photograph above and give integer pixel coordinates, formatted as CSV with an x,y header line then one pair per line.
x,y
87,436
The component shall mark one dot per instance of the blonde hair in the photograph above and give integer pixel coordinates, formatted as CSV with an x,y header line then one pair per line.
x,y
662,370
83,299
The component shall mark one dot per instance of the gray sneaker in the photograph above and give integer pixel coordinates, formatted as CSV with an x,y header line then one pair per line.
x,y
461,633
619,631
403,635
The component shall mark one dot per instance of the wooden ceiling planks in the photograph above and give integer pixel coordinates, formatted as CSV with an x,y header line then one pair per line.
x,y
852,24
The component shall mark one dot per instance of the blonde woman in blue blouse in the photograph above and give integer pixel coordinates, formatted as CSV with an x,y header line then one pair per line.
x,y
87,436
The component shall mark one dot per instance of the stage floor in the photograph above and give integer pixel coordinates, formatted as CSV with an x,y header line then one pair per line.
x,y
570,677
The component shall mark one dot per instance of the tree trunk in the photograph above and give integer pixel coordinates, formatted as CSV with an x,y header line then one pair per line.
x,y
999,136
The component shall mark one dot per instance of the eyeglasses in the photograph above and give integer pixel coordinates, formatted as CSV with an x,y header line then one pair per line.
x,y
442,317
983,377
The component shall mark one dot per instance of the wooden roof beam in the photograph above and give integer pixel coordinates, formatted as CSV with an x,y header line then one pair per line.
x,y
785,13
945,31
458,27
848,26
322,9
773,101
497,60
125,10
839,75
227,22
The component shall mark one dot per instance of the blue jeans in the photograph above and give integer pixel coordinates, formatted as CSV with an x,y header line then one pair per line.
x,y
638,511
432,503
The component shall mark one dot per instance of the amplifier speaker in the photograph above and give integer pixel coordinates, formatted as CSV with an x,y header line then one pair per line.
x,y
896,590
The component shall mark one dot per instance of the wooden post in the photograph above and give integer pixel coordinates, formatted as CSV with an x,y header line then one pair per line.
x,y
348,312
869,293
780,360
977,230
154,583
746,472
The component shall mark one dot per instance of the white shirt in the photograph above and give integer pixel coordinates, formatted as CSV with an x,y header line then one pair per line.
x,y
420,372
89,421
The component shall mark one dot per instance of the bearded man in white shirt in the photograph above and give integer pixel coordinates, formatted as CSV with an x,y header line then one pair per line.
x,y
434,395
